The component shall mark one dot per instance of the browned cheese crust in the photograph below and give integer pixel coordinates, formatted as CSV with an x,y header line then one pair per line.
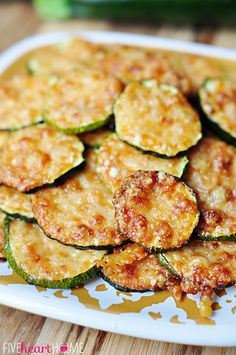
x,y
135,63
156,210
79,212
133,268
212,175
36,156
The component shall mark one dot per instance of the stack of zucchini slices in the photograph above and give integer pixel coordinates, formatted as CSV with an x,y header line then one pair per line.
x,y
105,171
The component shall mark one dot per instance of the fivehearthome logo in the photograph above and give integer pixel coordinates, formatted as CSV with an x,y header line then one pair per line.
x,y
22,348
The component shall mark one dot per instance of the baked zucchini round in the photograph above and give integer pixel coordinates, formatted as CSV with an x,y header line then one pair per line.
x,y
45,262
218,102
138,63
156,118
78,212
156,210
38,155
81,101
4,135
15,203
202,267
212,175
116,160
132,269
60,58
22,101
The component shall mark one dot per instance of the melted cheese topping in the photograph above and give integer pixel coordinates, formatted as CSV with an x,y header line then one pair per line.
x,y
212,175
2,217
15,202
46,259
218,100
116,160
82,100
156,118
132,64
22,100
156,210
133,268
79,212
95,138
58,59
36,156
203,265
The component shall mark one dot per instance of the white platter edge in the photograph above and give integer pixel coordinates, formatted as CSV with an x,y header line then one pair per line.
x,y
216,335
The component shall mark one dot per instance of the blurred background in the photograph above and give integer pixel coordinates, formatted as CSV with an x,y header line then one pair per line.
x,y
206,21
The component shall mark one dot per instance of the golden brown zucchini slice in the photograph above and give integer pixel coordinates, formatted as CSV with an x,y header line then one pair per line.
x,y
132,268
135,63
45,262
218,102
15,203
156,118
156,210
79,212
82,100
60,58
96,138
212,175
116,160
22,101
38,155
203,266
2,218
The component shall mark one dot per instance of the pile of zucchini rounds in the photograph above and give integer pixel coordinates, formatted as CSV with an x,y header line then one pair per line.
x,y
119,161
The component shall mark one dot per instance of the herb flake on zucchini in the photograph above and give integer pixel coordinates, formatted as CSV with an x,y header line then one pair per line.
x,y
15,203
116,160
132,269
45,262
37,156
156,210
81,101
22,101
218,102
203,266
212,175
78,212
156,118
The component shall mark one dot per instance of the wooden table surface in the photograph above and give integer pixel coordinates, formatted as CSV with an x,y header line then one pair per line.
x,y
18,20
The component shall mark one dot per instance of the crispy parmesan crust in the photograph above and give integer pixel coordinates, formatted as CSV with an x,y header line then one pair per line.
x,y
38,155
212,175
218,100
82,100
46,262
59,59
15,203
204,266
133,63
132,268
22,101
79,212
2,217
116,160
156,210
156,118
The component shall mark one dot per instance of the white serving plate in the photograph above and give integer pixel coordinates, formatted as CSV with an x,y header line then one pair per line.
x,y
98,305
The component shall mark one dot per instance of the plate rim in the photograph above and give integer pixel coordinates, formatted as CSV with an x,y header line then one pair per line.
x,y
192,334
